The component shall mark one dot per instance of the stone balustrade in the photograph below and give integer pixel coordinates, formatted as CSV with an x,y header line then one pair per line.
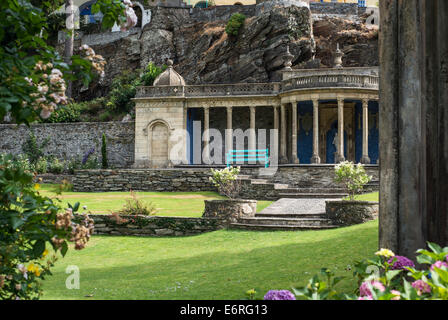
x,y
366,78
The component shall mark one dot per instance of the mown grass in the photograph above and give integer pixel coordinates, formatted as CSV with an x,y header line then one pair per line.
x,y
179,204
217,265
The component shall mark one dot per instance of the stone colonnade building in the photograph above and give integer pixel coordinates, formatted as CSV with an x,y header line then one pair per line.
x,y
322,116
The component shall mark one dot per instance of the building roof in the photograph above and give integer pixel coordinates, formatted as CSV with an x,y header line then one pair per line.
x,y
169,77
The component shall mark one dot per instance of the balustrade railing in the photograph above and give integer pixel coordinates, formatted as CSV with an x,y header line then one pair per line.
x,y
247,89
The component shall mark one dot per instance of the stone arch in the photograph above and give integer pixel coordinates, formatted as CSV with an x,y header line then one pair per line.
x,y
237,4
159,143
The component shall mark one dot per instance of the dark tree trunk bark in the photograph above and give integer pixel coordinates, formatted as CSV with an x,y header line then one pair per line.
x,y
413,124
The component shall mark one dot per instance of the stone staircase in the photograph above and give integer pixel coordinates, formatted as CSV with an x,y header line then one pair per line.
x,y
295,209
289,215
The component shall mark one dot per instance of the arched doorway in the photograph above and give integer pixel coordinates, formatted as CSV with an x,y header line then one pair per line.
x,y
159,135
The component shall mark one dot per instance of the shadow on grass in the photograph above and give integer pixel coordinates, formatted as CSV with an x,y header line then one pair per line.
x,y
218,265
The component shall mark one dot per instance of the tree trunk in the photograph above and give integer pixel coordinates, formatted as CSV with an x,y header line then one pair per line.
x,y
413,124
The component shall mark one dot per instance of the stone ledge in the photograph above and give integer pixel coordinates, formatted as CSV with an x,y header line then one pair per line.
x,y
347,213
156,226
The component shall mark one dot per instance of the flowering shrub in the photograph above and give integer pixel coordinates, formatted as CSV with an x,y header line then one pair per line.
x,y
394,278
354,178
33,230
279,295
226,181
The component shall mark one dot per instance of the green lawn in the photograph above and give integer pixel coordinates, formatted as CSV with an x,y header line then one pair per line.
x,y
368,197
177,204
217,265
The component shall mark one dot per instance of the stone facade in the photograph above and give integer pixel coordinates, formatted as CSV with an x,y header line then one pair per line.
x,y
70,140
347,213
152,225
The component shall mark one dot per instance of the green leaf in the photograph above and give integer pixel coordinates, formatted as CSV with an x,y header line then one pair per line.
x,y
16,222
392,274
435,247
64,248
38,248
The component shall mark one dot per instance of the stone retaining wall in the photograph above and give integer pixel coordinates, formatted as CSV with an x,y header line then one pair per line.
x,y
152,225
69,140
197,179
347,213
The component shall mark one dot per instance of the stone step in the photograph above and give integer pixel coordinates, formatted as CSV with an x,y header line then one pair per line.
x,y
312,195
292,215
314,190
302,222
254,227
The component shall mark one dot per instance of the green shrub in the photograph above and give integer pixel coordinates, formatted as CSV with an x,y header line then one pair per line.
x,y
73,164
28,223
65,114
354,178
104,163
32,149
150,74
41,165
91,163
56,166
135,207
235,23
226,181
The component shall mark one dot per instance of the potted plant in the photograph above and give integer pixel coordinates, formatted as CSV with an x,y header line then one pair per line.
x,y
349,212
231,209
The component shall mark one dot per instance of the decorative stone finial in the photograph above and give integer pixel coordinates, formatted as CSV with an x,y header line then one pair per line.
x,y
338,58
169,77
287,58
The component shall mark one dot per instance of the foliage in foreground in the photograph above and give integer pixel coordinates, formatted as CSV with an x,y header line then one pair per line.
x,y
28,223
385,277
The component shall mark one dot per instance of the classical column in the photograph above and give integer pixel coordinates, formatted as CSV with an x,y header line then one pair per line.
x,y
229,131
340,151
365,132
252,135
185,137
276,135
283,157
315,159
206,136
295,158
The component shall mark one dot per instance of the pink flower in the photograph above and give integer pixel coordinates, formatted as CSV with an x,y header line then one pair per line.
x,y
439,265
45,114
365,298
365,291
421,287
397,295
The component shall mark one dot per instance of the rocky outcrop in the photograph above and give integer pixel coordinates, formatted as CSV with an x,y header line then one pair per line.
x,y
358,42
204,53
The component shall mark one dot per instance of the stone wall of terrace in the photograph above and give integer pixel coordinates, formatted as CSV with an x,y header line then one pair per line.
x,y
155,226
197,179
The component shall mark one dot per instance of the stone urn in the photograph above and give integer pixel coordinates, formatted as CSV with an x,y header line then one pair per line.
x,y
230,210
348,213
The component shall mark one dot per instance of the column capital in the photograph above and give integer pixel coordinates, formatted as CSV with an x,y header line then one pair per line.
x,y
365,101
315,101
340,100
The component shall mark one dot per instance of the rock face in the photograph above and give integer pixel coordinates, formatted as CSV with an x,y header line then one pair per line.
x,y
203,52
358,42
